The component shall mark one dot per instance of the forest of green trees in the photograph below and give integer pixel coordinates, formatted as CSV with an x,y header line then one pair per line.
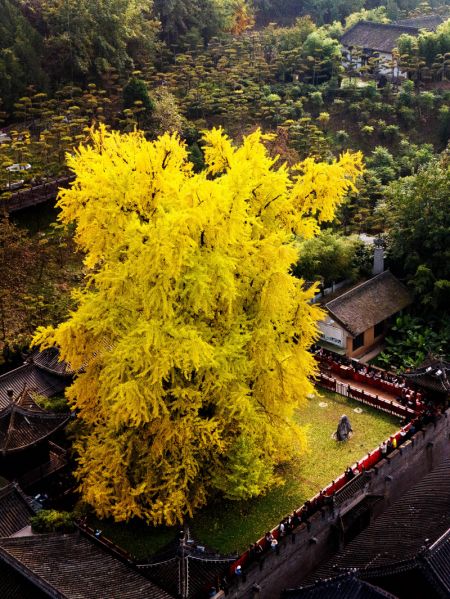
x,y
185,65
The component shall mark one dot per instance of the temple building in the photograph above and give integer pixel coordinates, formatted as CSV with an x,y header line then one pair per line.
x,y
16,509
42,373
68,566
433,376
26,451
358,319
367,39
405,552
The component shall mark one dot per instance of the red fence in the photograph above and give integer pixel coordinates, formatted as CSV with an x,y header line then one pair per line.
x,y
364,463
375,378
375,401
335,486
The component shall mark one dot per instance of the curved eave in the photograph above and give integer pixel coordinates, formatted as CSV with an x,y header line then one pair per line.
x,y
8,451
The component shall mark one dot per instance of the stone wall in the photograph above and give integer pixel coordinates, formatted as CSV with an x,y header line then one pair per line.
x,y
300,553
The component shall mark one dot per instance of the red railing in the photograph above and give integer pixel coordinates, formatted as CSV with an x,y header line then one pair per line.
x,y
365,463
316,502
379,403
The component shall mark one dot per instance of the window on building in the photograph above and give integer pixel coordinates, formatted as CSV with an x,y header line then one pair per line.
x,y
358,341
378,329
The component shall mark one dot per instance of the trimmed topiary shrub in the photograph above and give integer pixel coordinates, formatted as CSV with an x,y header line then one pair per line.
x,y
53,521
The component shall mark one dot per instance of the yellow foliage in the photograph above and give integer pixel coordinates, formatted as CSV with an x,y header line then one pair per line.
x,y
190,333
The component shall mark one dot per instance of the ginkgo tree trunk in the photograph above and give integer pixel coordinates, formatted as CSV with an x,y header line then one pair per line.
x,y
191,336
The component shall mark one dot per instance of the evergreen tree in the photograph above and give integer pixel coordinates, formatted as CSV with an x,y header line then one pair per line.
x,y
418,211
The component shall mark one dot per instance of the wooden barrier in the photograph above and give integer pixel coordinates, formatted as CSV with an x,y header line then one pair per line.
x,y
33,196
379,403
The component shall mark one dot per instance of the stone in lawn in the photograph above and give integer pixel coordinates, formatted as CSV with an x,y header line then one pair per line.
x,y
344,429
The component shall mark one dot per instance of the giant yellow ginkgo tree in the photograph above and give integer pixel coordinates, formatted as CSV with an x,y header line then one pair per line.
x,y
190,333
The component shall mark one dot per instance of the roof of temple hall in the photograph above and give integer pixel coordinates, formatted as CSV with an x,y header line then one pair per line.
x,y
369,303
15,586
23,423
381,37
346,585
15,510
49,360
31,377
428,22
437,562
412,534
432,374
71,567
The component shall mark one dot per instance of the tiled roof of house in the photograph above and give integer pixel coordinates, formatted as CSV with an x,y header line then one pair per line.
x,y
29,376
437,562
48,359
369,303
432,374
402,532
71,567
346,586
380,37
15,510
14,586
428,22
24,423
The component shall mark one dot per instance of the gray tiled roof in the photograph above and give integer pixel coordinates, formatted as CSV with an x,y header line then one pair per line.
x,y
369,303
429,22
48,359
345,586
432,374
71,567
437,560
420,516
14,586
21,427
15,510
380,37
32,378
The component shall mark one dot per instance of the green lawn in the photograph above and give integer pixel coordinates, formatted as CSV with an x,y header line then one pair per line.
x,y
230,526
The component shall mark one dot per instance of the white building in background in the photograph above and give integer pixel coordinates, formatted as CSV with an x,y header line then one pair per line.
x,y
358,318
366,40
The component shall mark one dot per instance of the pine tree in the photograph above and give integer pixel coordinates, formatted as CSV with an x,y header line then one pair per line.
x,y
191,334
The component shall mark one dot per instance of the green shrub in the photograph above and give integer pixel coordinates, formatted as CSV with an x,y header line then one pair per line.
x,y
53,521
136,91
52,404
444,123
367,130
407,116
355,108
391,132
341,137
316,100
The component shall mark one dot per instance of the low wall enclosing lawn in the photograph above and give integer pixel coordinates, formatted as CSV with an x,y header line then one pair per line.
x,y
387,478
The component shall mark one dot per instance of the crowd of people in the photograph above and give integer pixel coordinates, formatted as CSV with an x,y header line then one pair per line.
x,y
272,539
426,413
369,375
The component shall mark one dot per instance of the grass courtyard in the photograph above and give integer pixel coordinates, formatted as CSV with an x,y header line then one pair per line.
x,y
230,526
